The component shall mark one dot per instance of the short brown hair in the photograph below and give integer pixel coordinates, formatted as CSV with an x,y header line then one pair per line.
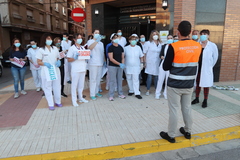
x,y
205,31
131,37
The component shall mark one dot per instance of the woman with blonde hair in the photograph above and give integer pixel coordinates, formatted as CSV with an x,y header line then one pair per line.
x,y
152,51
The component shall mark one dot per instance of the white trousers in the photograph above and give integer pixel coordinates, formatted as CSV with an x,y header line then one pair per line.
x,y
95,78
67,69
48,87
133,83
77,86
163,75
37,77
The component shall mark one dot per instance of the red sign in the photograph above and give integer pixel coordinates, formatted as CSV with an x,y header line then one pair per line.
x,y
78,14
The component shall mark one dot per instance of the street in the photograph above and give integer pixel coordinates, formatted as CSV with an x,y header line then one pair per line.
x,y
7,78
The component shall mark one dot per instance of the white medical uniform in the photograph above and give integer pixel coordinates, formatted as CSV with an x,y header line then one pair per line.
x,y
163,75
152,52
78,73
67,66
95,64
122,41
36,72
50,56
133,67
209,59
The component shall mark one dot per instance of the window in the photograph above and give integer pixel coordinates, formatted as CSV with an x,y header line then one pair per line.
x,y
64,11
30,16
41,18
56,7
41,1
57,23
64,25
15,11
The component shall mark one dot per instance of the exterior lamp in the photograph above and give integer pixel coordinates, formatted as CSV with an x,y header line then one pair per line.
x,y
165,4
96,12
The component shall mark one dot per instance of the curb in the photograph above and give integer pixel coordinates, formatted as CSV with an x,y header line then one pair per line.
x,y
128,150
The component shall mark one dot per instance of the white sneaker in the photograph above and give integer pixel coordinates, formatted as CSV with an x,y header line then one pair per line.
x,y
83,100
75,104
23,92
38,89
16,95
157,97
147,93
165,96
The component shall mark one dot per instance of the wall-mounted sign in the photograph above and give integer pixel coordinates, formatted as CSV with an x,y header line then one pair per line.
x,y
78,14
149,7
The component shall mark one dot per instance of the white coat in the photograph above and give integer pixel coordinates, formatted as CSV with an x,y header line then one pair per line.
x,y
209,59
152,52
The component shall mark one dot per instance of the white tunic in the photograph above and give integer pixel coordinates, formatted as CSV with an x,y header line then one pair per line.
x,y
66,45
78,65
209,59
48,56
31,54
97,54
152,52
132,59
122,41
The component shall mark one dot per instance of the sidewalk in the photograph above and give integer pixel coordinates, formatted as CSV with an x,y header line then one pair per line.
x,y
105,129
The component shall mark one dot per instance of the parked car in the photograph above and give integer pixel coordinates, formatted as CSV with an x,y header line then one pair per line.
x,y
5,58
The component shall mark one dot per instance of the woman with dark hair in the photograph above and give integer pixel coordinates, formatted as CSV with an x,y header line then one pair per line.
x,y
78,71
48,59
207,60
57,43
18,56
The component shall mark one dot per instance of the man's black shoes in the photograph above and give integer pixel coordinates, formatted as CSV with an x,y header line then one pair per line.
x,y
187,135
130,94
165,135
138,97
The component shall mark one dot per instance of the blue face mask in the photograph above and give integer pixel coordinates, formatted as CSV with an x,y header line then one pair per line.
x,y
203,38
79,41
64,38
58,44
194,37
175,40
142,39
96,36
169,41
119,33
115,40
133,42
17,44
48,42
34,46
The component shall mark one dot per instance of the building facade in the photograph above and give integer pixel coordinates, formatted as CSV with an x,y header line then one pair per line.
x,y
133,16
29,19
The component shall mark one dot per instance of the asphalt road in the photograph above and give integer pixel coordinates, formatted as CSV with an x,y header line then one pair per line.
x,y
227,150
7,78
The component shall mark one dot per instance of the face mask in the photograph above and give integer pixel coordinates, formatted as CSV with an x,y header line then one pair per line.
x,y
169,41
133,42
155,37
137,40
203,37
34,46
79,41
142,39
17,44
194,37
175,40
58,44
119,33
115,40
96,36
48,42
64,38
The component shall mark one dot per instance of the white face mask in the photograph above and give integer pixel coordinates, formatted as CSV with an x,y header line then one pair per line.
x,y
155,37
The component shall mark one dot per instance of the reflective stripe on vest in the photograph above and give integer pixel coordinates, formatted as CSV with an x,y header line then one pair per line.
x,y
181,77
193,64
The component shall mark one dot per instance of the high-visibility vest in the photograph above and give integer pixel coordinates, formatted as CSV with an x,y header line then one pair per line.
x,y
185,63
